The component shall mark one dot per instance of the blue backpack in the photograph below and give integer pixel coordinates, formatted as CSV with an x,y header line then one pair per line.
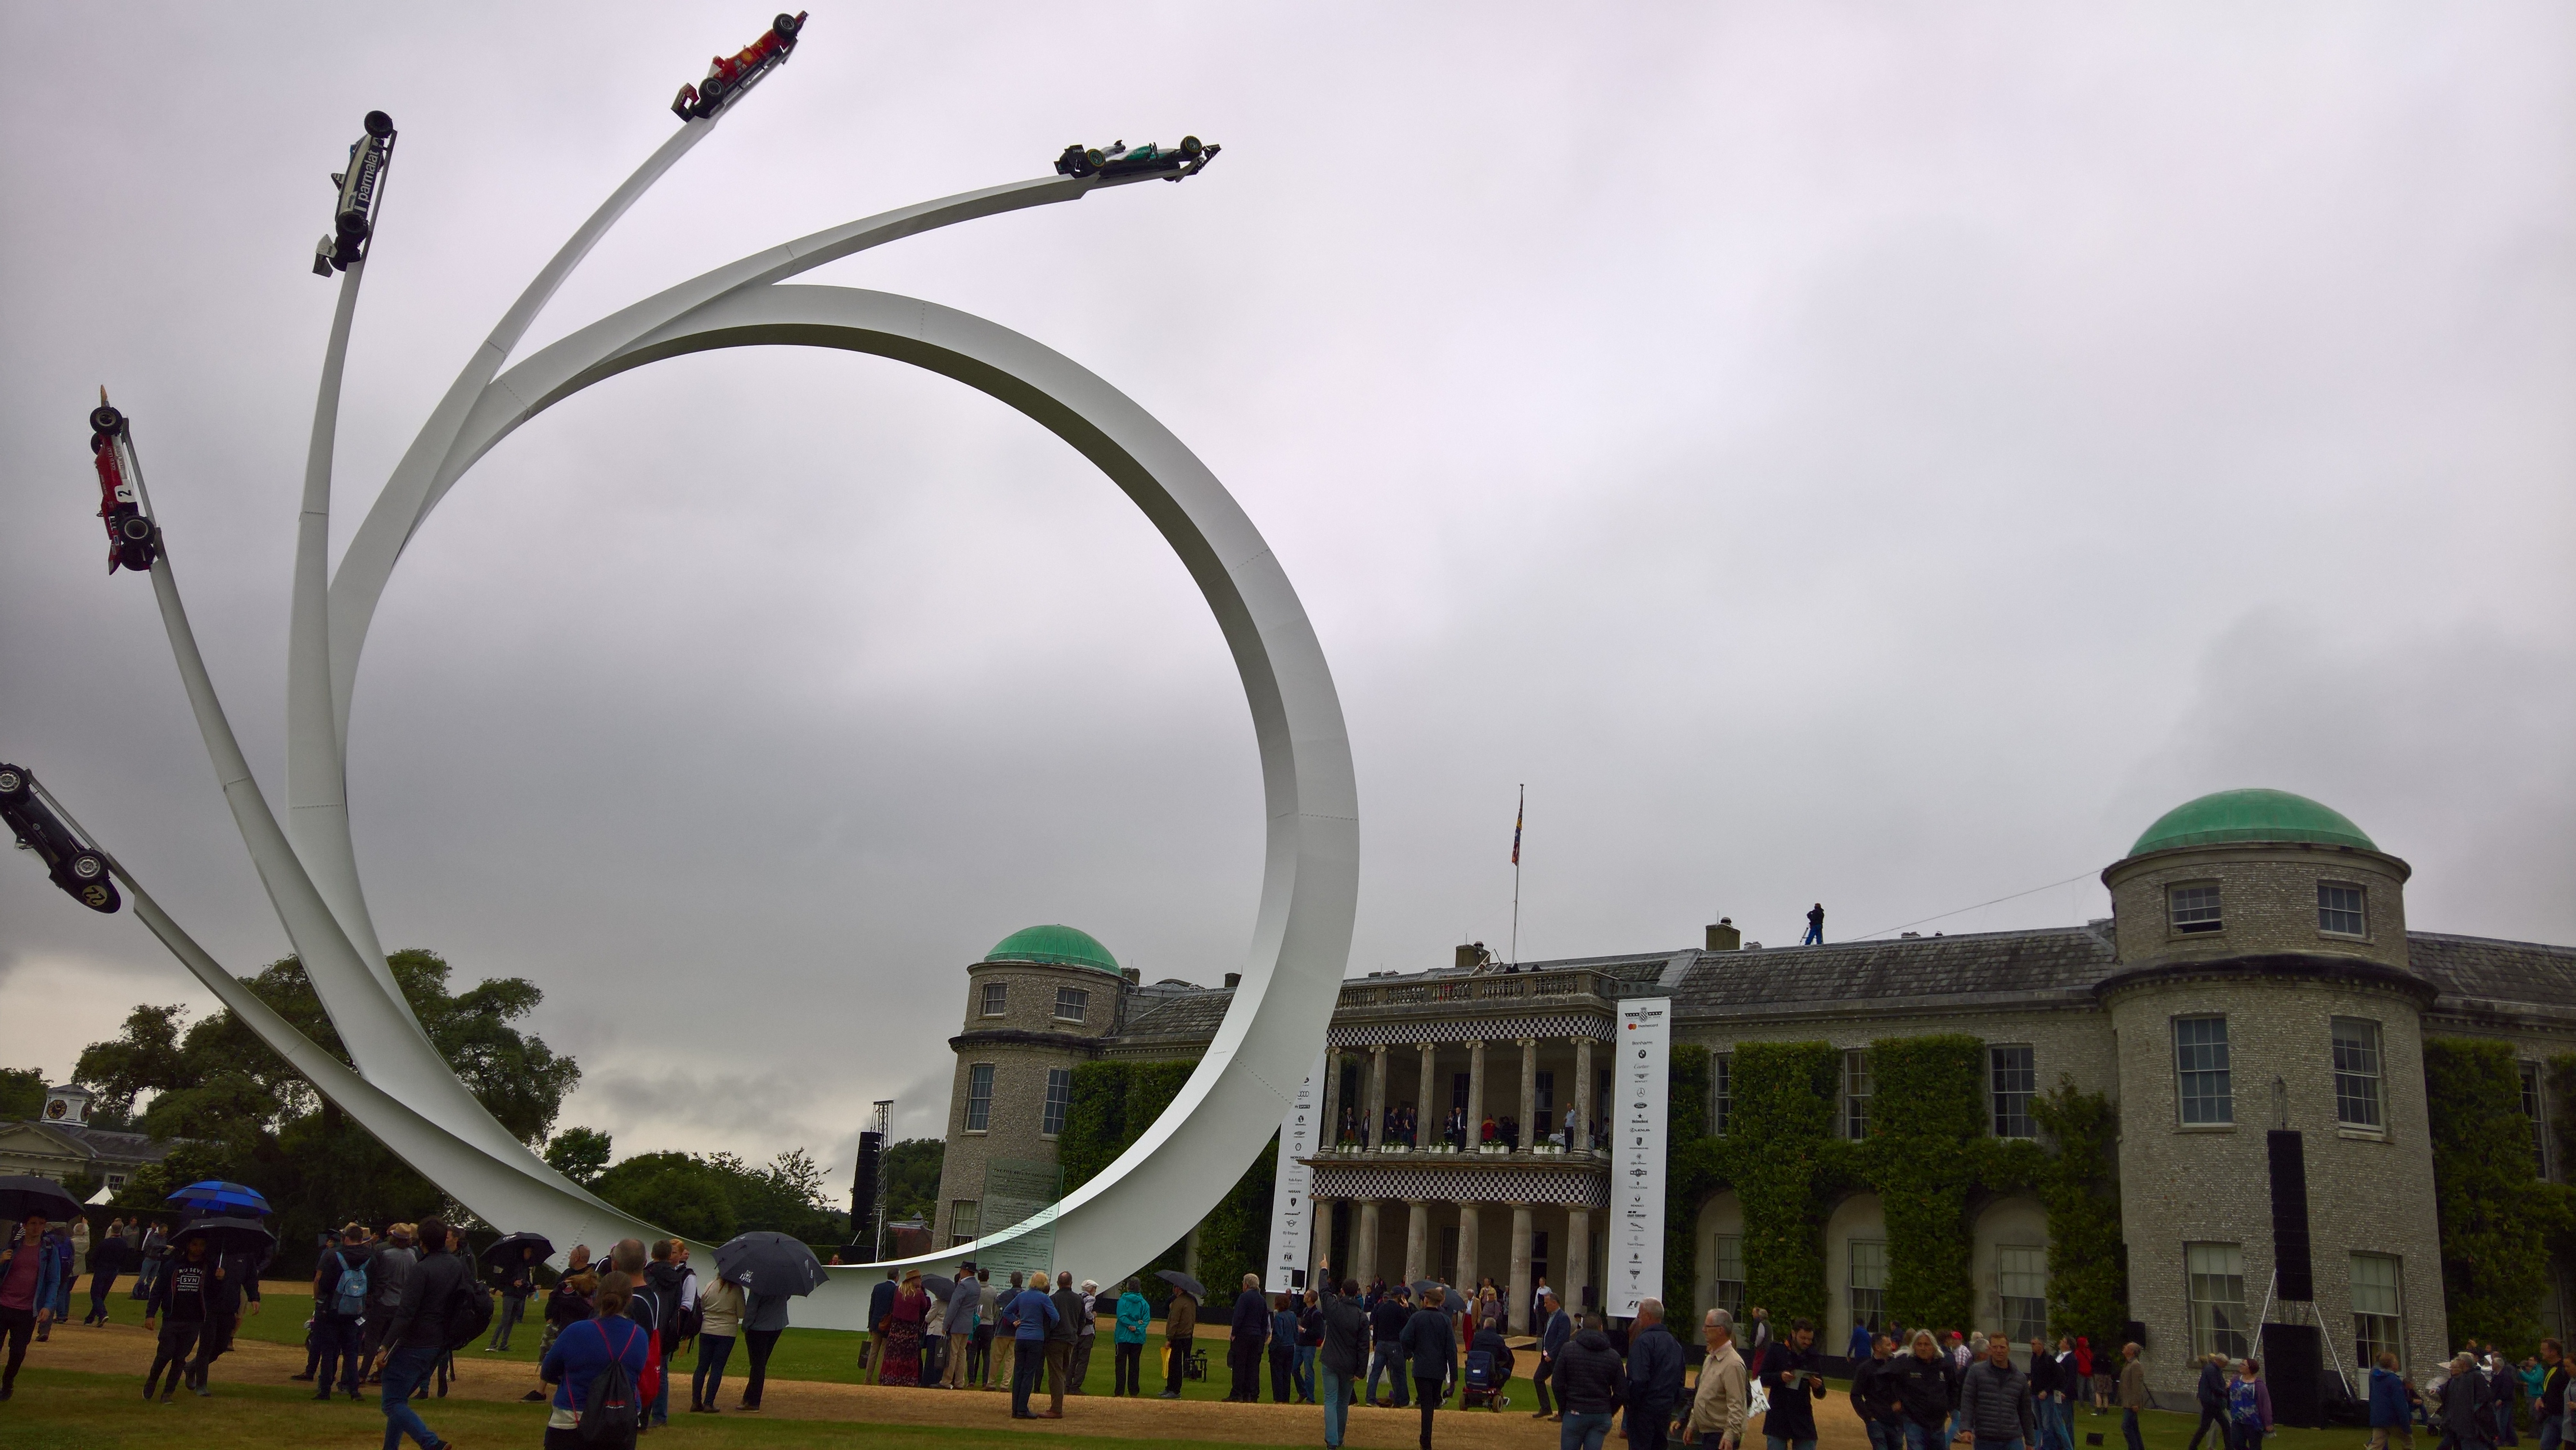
x,y
349,1293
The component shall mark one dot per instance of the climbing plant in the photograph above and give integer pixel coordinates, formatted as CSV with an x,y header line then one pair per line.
x,y
1111,1106
2088,1268
2496,1215
1927,1118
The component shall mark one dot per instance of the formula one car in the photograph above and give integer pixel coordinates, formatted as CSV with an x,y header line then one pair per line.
x,y
353,221
75,868
1121,160
132,541
730,77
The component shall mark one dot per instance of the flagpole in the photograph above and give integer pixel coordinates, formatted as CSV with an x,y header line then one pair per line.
x,y
1520,813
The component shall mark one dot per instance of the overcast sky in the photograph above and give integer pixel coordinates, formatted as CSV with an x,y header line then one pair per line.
x,y
1884,455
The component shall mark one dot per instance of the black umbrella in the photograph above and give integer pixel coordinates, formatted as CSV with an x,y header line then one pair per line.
x,y
23,1194
504,1253
1425,1286
933,1284
1182,1282
227,1235
770,1263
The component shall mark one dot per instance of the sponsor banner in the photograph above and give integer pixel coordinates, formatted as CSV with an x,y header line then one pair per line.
x,y
1639,1084
1292,1207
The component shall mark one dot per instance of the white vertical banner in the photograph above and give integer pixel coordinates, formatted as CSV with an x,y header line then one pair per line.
x,y
1292,1207
1638,1080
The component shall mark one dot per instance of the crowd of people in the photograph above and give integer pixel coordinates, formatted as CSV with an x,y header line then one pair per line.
x,y
1401,1125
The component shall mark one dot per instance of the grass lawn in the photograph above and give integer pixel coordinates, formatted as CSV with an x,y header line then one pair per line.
x,y
62,1410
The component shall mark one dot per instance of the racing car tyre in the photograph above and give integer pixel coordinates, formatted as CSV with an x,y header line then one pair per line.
x,y
136,530
13,782
785,25
106,420
710,95
380,125
85,866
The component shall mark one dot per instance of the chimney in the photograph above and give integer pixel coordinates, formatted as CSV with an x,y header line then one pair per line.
x,y
1724,937
1472,956
1233,980
1133,976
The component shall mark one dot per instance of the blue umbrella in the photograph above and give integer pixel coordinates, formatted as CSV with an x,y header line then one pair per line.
x,y
221,1198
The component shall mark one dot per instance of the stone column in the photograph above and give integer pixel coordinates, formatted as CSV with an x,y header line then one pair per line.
x,y
1319,1240
1583,1092
1475,1091
1330,1132
1520,1296
1578,1260
1529,1100
1417,1240
1370,1130
1469,1237
1364,1243
1427,1117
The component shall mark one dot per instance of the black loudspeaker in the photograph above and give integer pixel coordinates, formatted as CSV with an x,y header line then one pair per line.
x,y
2294,1361
2298,1280
863,1195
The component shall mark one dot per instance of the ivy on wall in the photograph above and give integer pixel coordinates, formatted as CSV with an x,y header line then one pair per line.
x,y
1927,1156
2497,1217
1111,1106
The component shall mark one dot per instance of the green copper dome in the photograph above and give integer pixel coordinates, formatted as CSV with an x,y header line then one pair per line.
x,y
2250,815
1055,946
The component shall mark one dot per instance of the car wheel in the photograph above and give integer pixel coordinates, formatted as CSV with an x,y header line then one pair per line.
x,y
86,866
785,25
379,125
104,419
136,530
710,95
12,781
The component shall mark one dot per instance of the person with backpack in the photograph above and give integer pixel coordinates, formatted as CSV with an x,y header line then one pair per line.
x,y
434,1297
340,1289
595,1366
392,1268
671,1287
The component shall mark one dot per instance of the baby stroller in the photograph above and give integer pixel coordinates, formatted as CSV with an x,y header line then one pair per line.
x,y
1195,1367
1484,1385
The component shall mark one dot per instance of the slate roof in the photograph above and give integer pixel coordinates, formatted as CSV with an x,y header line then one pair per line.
x,y
2472,969
1194,1015
2053,967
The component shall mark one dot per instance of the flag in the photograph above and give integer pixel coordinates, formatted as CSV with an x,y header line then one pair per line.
x,y
1519,814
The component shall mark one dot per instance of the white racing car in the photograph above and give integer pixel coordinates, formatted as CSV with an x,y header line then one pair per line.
x,y
353,220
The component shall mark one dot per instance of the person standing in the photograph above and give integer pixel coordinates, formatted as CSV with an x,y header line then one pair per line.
x,y
1815,936
1087,1336
106,1261
1027,1317
1994,1400
239,1282
1249,1330
1180,1327
1064,1331
1654,1377
1929,1389
1556,1330
1877,1397
2048,1380
966,1328
1387,1319
183,1299
1430,1347
1003,1363
671,1288
417,1338
2133,1397
1341,1356
1719,1404
872,1343
581,1353
2211,1391
27,1284
392,1269
2549,1401
153,1250
518,1281
764,1318
1127,1341
720,1311
2392,1400
339,1304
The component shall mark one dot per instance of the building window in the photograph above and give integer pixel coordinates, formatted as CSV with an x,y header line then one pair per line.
x,y
1072,1003
962,1222
2015,1071
2376,1310
2356,1069
2200,1063
1855,1093
116,1183
1868,1290
997,998
979,1097
1458,1091
2536,1109
1726,1256
2217,1279
1059,1093
2021,1285
1721,1091
2339,909
1546,1099
2195,908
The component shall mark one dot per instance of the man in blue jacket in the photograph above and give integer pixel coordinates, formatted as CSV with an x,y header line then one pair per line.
x,y
1431,1352
2392,1407
1551,1343
2212,1394
1030,1315
1387,1319
1654,1377
1251,1331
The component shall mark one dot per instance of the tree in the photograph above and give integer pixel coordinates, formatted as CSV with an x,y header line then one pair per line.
x,y
911,1171
22,1093
580,1154
711,1199
235,1109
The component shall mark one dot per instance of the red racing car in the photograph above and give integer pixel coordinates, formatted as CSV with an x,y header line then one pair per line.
x,y
730,77
77,869
132,541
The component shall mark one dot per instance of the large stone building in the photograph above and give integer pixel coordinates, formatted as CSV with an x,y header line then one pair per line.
x,y
62,1144
2256,974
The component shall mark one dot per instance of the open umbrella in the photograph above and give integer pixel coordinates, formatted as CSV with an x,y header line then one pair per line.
x,y
504,1253
934,1284
26,1193
220,1198
227,1235
1182,1282
769,1263
1425,1286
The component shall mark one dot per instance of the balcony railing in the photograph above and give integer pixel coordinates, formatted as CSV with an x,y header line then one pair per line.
x,y
1503,988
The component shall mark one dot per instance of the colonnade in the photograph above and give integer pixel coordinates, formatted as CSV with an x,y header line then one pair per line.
x,y
1575,1255
1432,1106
